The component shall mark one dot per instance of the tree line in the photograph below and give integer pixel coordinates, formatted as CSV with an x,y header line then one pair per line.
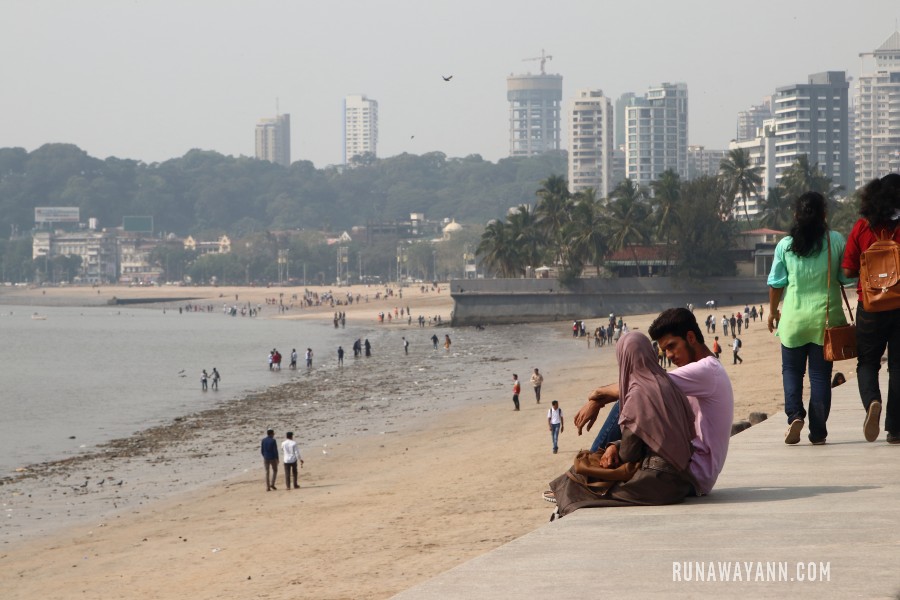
x,y
694,221
207,194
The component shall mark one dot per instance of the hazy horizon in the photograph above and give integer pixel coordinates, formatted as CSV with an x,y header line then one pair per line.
x,y
151,80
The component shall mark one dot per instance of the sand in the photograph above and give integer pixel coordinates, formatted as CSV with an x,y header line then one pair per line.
x,y
376,515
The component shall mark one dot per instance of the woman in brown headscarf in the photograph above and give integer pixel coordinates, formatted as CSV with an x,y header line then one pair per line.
x,y
657,428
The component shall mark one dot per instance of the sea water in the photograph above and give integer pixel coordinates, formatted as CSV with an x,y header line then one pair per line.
x,y
78,376
83,376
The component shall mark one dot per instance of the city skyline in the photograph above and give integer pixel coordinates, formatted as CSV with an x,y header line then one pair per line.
x,y
177,77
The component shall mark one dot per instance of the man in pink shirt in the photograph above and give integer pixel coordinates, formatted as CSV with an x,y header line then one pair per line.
x,y
703,380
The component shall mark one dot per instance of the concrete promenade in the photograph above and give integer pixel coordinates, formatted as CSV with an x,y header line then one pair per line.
x,y
828,515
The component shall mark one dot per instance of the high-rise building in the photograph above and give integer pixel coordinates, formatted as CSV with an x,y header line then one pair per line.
x,y
621,102
749,121
590,142
703,161
878,114
273,140
534,113
761,151
657,133
811,119
360,127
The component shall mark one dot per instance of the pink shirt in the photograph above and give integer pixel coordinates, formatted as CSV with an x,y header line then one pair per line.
x,y
709,393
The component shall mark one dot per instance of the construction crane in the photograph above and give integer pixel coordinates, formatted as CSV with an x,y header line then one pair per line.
x,y
544,57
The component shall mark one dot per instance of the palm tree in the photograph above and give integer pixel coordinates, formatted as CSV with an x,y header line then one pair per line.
x,y
739,176
628,214
497,250
586,233
801,177
523,232
666,194
777,210
553,211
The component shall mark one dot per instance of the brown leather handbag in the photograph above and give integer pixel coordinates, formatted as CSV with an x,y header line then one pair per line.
x,y
587,464
840,341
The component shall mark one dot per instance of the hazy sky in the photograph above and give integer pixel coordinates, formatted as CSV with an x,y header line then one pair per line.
x,y
151,79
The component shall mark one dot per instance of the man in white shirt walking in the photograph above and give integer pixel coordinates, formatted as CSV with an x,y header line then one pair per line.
x,y
555,421
291,458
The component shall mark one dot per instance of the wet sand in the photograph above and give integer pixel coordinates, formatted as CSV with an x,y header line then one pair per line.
x,y
381,508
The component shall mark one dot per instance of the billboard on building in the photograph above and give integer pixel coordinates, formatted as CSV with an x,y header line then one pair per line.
x,y
57,214
138,224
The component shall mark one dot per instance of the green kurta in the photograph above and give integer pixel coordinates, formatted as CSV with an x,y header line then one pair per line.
x,y
805,280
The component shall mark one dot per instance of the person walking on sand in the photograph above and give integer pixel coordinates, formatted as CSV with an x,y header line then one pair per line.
x,y
203,377
405,346
340,353
724,325
269,451
291,458
736,350
516,389
447,342
717,349
434,340
537,380
215,379
555,421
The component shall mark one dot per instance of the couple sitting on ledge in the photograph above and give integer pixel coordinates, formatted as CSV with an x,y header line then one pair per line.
x,y
667,435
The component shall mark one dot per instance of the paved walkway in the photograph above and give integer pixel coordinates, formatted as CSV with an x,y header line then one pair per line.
x,y
829,515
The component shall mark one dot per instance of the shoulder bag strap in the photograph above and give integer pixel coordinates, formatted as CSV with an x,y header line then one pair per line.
x,y
828,289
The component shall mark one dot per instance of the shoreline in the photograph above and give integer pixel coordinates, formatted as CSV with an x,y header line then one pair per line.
x,y
394,506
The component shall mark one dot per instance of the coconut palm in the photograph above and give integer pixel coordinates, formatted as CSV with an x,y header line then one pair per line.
x,y
777,210
523,232
497,249
553,211
740,177
666,196
628,218
801,177
587,231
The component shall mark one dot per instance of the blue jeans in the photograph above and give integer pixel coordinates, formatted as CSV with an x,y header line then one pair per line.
x,y
876,331
793,369
610,432
554,435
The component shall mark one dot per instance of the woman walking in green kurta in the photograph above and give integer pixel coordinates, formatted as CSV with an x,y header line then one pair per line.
x,y
799,277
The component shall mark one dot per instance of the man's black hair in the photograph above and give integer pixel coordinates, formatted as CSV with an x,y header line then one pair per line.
x,y
677,322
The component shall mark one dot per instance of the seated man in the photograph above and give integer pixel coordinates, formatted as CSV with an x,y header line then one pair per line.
x,y
656,446
700,376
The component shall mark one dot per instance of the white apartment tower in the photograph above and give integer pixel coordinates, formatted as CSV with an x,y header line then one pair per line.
x,y
657,133
273,140
360,126
534,113
878,114
590,142
811,119
761,150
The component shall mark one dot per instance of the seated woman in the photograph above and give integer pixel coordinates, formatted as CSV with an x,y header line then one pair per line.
x,y
649,466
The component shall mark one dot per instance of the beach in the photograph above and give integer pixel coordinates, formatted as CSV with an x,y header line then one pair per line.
x,y
378,510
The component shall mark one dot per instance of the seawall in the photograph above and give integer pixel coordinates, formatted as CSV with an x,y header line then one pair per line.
x,y
495,301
